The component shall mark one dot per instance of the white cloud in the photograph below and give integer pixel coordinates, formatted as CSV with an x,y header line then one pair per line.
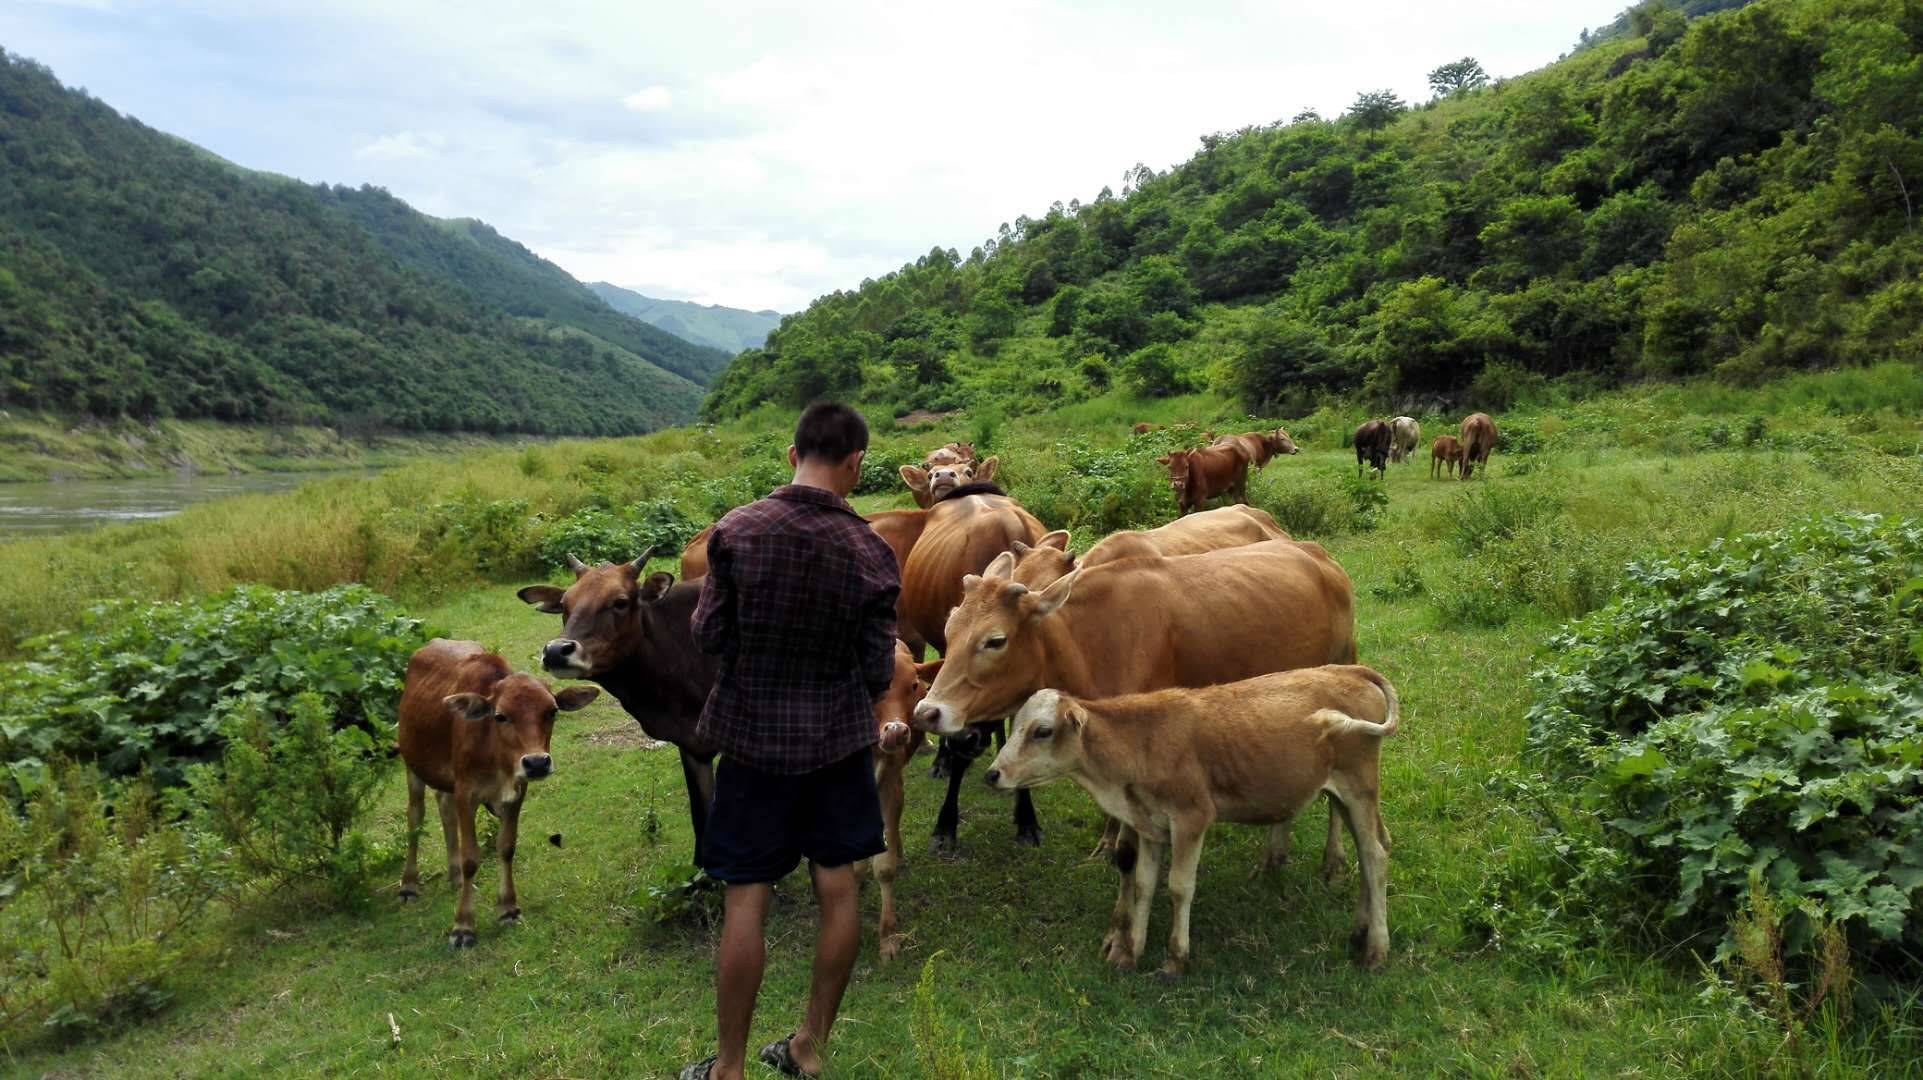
x,y
401,146
652,99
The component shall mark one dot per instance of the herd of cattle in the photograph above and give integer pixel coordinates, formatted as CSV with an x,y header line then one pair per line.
x,y
1198,671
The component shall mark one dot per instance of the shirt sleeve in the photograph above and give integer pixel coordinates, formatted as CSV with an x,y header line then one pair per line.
x,y
878,619
714,623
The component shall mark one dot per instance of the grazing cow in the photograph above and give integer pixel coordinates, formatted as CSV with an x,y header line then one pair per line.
x,y
1140,624
1145,428
898,744
1260,446
952,454
1404,435
1210,530
1445,453
1200,475
477,733
937,482
630,635
1478,438
1168,764
1372,445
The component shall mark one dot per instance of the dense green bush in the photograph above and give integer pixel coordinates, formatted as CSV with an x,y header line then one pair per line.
x,y
596,534
1493,513
138,686
1750,711
493,536
1094,492
1322,505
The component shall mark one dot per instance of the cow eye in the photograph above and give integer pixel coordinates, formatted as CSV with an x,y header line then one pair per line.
x,y
500,718
552,713
994,641
621,603
1042,733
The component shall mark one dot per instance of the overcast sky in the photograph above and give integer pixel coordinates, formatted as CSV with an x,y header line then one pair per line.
x,y
750,155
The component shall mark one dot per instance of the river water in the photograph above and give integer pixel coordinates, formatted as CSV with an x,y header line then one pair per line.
x,y
68,505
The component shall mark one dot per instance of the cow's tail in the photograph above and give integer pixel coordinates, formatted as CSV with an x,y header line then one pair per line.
x,y
1392,704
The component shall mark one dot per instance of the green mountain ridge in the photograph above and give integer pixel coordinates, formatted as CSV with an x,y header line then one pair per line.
x,y
728,329
1735,194
144,276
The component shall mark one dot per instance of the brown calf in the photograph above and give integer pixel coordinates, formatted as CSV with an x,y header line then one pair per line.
x,y
1478,438
1445,453
951,454
934,483
1145,428
477,733
898,744
1200,475
1167,764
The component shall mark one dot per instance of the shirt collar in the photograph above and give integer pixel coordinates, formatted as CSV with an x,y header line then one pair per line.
x,y
814,496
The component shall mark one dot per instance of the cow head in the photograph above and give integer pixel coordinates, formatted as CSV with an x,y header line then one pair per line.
x,y
519,712
935,483
1044,563
1045,742
1177,463
600,615
1280,443
952,454
996,653
897,705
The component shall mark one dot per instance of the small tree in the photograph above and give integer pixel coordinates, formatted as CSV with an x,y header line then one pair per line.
x,y
1374,109
1459,77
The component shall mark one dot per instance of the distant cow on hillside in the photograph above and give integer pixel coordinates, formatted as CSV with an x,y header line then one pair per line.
x,y
1405,434
1445,453
1372,446
1478,438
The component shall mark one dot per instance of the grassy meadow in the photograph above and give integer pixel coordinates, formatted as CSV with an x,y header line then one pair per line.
x,y
1457,585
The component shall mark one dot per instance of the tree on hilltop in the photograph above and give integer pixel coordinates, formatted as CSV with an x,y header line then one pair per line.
x,y
1458,77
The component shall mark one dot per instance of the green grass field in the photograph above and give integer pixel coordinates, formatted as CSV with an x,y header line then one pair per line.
x,y
589,985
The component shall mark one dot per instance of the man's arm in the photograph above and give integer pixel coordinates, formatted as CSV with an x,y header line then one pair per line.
x,y
713,622
877,641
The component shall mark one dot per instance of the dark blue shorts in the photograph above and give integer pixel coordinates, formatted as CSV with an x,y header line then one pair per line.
x,y
763,824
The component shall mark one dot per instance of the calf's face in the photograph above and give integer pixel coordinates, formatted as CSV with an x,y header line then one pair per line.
x,y
1045,743
1177,464
896,707
520,712
600,615
995,655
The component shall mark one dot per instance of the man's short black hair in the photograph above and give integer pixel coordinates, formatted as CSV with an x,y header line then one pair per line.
x,y
829,431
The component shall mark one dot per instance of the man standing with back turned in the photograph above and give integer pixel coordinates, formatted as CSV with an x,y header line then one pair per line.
x,y
799,603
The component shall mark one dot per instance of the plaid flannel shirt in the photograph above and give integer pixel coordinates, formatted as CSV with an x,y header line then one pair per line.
x,y
799,603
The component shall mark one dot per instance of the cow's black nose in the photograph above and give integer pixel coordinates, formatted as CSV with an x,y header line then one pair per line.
x,y
537,765
557,652
993,775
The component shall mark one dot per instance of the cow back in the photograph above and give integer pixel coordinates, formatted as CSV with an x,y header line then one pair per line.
x,y
958,537
1478,437
425,729
1209,530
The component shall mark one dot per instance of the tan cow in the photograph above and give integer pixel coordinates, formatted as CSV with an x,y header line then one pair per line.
x,y
1170,763
1260,446
1196,476
898,744
1140,624
1445,453
1144,428
477,733
1209,530
952,454
937,482
1404,435
1478,438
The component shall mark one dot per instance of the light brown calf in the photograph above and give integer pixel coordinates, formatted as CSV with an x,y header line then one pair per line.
x,y
1208,530
477,733
1167,764
898,744
1478,438
1144,428
1445,453
951,454
934,483
1196,476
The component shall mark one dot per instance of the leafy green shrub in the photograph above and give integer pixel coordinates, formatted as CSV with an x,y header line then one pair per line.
x,y
1404,579
1490,514
1324,505
1368,500
881,469
1083,489
763,467
1550,564
1754,709
683,894
940,1048
137,686
287,796
596,534
495,536
96,905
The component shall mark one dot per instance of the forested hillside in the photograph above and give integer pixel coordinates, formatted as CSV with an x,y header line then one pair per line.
x,y
1735,194
143,276
728,329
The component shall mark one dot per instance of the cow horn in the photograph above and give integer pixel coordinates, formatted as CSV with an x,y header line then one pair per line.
x,y
1015,589
1020,549
576,565
646,554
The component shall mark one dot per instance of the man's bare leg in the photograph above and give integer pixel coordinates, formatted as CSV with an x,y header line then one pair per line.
x,y
738,974
837,895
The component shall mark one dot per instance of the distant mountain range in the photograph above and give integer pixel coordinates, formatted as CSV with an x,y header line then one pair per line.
x,y
143,276
728,329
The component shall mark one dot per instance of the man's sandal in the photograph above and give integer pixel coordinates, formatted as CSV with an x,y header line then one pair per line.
x,y
778,1056
699,1070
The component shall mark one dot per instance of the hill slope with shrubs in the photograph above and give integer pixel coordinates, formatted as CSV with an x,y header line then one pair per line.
x,y
1736,194
142,276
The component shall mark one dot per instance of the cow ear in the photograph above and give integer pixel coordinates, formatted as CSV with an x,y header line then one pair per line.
x,y
925,673
1053,597
985,472
656,587
1077,715
468,706
970,582
1002,567
576,697
916,478
1163,460
641,562
1057,540
545,598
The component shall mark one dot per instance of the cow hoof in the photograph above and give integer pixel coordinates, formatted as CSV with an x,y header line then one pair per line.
x,y
511,915
460,939
409,894
944,845
1121,961
890,948
939,770
1030,837
1169,974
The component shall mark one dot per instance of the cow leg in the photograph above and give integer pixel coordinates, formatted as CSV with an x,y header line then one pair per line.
x,y
1332,861
1148,861
462,936
1111,835
416,810
961,750
451,833
888,781
506,909
697,774
1127,852
1275,850
1362,810
1184,857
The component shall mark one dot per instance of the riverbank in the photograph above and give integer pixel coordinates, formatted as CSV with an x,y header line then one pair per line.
x,y
41,447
